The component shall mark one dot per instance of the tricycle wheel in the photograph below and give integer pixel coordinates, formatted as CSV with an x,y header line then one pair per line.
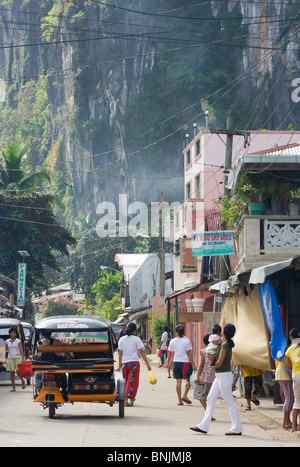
x,y
51,410
121,408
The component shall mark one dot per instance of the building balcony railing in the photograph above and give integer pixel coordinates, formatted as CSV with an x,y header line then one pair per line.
x,y
262,240
281,234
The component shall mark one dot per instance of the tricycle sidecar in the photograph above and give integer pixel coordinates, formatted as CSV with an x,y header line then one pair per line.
x,y
74,362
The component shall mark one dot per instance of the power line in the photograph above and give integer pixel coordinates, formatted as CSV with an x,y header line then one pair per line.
x,y
127,35
93,156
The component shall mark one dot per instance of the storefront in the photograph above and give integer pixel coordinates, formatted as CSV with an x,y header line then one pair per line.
x,y
263,304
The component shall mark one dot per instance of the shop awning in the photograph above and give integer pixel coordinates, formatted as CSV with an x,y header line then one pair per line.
x,y
138,315
224,287
232,284
195,288
259,275
121,318
4,299
253,276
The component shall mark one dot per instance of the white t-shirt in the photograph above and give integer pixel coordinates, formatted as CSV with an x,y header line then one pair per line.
x,y
130,346
180,345
164,340
13,348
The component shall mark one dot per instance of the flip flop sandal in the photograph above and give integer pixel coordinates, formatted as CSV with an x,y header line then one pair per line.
x,y
195,428
186,400
255,402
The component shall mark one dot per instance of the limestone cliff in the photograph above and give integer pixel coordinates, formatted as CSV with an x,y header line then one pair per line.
x,y
126,80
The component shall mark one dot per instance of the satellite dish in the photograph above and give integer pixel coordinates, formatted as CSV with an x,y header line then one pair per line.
x,y
143,297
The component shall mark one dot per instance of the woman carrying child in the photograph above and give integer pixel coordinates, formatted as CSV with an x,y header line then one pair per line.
x,y
222,385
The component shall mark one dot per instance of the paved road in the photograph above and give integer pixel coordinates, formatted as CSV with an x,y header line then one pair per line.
x,y
155,421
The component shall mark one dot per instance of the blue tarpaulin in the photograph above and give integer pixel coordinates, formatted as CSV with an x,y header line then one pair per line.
x,y
271,312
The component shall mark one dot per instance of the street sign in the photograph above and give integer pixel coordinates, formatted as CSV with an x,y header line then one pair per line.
x,y
21,291
213,243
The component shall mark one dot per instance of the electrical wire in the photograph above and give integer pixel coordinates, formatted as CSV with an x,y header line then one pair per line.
x,y
95,156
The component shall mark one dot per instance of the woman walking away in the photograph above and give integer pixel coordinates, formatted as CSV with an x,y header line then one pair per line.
x,y
13,346
180,349
164,343
130,346
293,361
222,385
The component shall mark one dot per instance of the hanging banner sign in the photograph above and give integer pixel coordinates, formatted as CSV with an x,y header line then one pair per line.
x,y
22,268
213,243
188,263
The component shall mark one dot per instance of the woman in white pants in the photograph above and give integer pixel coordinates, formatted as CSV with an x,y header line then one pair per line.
x,y
222,385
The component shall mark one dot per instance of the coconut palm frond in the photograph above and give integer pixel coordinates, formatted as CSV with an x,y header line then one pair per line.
x,y
14,178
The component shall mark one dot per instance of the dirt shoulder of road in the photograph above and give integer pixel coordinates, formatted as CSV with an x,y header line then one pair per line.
x,y
269,424
263,416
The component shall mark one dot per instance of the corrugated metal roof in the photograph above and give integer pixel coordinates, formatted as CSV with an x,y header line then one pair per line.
x,y
278,158
287,150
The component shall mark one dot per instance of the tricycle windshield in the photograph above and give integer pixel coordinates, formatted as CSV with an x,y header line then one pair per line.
x,y
81,337
92,336
27,333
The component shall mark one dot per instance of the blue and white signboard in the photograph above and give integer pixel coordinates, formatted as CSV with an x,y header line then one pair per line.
x,y
213,243
21,284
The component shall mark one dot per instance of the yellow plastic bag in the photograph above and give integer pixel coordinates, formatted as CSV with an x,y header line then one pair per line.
x,y
152,379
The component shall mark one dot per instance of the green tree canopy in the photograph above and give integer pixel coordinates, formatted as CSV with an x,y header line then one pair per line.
x,y
27,222
106,286
62,306
110,309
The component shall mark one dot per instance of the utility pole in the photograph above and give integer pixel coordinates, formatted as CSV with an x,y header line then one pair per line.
x,y
228,156
229,132
224,266
161,251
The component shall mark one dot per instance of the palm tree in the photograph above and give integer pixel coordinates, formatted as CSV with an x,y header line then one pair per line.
x,y
14,179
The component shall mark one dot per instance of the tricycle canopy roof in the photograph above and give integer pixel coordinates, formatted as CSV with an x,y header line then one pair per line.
x,y
73,323
25,324
9,323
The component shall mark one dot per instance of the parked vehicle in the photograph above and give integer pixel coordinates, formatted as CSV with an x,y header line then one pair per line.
x,y
28,329
5,325
116,327
78,366
148,346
